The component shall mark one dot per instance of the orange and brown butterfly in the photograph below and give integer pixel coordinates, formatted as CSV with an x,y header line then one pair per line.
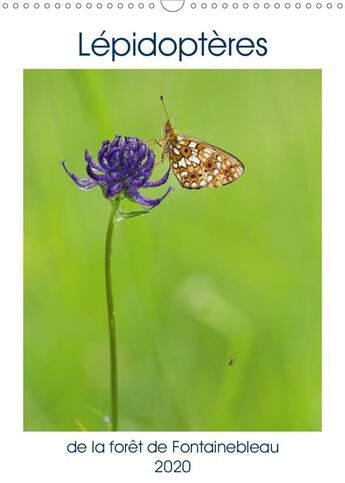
x,y
198,164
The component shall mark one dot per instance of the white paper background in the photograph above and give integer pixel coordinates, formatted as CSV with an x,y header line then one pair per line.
x,y
49,38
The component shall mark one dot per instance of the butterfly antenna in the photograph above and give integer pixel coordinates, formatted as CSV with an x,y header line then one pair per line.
x,y
165,109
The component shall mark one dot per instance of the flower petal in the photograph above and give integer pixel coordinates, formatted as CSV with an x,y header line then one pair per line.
x,y
99,178
159,182
122,148
134,195
141,151
102,159
91,162
113,189
83,183
149,164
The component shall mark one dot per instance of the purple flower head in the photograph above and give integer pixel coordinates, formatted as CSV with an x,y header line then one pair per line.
x,y
124,166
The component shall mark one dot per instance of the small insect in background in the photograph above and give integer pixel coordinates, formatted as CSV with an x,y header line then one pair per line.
x,y
232,360
198,164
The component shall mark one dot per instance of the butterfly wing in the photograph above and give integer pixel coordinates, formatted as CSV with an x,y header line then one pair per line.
x,y
197,164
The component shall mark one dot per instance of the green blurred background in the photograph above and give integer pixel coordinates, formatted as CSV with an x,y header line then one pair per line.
x,y
207,276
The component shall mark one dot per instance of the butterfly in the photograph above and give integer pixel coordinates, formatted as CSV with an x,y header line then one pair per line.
x,y
196,163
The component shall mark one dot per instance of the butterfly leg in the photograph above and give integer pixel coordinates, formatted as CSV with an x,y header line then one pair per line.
x,y
157,163
160,144
162,154
154,141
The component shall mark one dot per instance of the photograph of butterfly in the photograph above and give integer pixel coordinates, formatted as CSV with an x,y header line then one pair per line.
x,y
196,163
213,272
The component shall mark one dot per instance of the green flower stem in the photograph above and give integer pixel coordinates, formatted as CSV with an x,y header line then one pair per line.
x,y
115,204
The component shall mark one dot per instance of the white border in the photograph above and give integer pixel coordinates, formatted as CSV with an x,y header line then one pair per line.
x,y
295,41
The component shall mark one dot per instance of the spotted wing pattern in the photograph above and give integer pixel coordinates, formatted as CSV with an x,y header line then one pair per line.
x,y
197,164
